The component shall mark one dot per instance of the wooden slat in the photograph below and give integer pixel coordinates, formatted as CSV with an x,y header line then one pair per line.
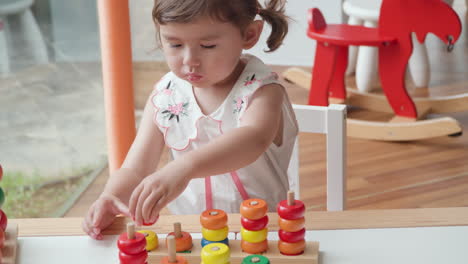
x,y
356,219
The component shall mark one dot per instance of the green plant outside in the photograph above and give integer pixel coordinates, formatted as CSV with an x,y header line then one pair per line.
x,y
34,196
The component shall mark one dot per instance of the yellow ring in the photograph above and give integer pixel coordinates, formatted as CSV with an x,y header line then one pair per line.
x,y
254,236
152,241
215,253
215,235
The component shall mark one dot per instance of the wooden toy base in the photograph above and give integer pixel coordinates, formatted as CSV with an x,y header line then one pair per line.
x,y
11,244
309,256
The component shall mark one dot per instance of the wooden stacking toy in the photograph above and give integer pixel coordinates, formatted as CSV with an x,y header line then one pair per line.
x,y
8,233
291,218
172,257
212,252
254,229
183,240
132,246
214,227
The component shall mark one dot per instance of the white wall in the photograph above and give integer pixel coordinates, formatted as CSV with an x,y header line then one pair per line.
x,y
75,31
297,48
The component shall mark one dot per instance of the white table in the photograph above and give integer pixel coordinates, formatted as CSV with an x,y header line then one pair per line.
x,y
381,236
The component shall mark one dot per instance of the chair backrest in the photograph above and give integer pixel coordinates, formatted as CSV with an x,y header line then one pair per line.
x,y
331,121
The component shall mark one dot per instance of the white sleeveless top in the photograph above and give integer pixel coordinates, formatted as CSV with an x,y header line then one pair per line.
x,y
186,128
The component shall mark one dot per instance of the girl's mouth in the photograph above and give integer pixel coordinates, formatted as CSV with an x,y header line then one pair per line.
x,y
194,77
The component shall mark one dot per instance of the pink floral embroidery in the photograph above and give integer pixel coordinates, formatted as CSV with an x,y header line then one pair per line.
x,y
168,90
238,103
176,110
249,80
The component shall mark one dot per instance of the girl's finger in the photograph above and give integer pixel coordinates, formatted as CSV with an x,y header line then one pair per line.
x,y
97,214
90,215
132,203
154,214
119,208
148,206
88,229
159,206
141,199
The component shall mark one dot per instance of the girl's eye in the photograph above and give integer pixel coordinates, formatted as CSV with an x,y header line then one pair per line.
x,y
208,46
175,45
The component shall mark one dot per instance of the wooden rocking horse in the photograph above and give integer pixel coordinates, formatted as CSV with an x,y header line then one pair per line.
x,y
398,19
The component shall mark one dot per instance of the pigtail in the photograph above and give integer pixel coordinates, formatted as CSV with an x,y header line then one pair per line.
x,y
274,14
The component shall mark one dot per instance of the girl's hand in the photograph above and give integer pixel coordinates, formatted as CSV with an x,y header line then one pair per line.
x,y
156,191
102,213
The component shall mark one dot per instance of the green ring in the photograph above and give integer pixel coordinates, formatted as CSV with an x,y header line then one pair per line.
x,y
262,260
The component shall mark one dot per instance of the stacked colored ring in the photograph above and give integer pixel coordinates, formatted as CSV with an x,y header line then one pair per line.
x,y
183,240
152,241
292,228
255,259
132,251
254,223
3,217
215,253
214,227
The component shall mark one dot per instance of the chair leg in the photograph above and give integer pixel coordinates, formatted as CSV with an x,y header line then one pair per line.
x,y
366,67
337,86
419,64
324,66
4,60
33,36
353,50
392,65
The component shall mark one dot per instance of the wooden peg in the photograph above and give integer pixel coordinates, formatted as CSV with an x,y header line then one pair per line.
x,y
177,230
131,231
171,249
291,198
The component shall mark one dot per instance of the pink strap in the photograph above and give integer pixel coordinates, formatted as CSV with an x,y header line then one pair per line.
x,y
239,185
209,193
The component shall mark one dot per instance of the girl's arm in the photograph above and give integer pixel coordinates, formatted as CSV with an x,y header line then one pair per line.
x,y
242,146
142,158
228,152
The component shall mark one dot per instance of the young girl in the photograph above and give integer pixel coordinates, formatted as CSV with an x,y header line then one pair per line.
x,y
227,120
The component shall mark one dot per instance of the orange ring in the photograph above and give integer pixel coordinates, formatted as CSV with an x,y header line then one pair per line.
x,y
213,219
179,260
253,209
254,248
291,248
291,225
183,243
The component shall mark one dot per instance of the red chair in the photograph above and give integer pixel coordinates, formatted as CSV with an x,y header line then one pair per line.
x,y
393,38
398,19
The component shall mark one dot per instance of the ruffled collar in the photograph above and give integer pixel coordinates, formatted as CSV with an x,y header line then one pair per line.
x,y
178,114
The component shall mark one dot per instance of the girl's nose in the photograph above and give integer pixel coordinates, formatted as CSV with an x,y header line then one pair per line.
x,y
191,58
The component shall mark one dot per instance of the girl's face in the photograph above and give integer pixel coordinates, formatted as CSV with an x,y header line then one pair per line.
x,y
204,52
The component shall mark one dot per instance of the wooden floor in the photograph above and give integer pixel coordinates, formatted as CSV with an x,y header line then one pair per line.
x,y
426,173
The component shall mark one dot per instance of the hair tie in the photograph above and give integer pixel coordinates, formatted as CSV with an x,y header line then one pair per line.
x,y
259,9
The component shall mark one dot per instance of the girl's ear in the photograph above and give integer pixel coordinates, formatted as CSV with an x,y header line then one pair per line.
x,y
252,33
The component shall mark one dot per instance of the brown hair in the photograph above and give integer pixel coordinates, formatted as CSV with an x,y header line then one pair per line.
x,y
238,12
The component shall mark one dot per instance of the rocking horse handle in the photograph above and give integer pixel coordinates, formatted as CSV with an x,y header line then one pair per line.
x,y
450,43
316,20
